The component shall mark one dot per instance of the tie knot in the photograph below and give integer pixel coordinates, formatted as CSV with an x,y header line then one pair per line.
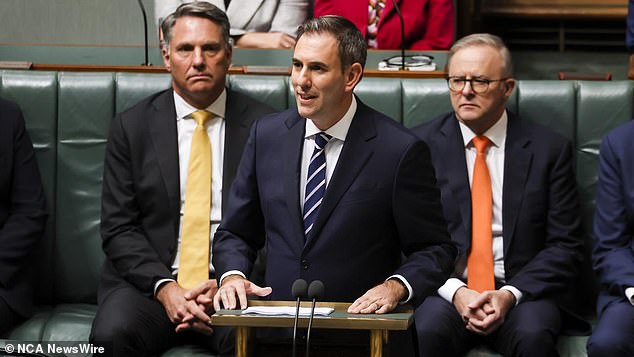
x,y
321,139
481,142
201,117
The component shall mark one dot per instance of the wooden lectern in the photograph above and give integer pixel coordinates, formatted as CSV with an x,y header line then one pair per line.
x,y
378,325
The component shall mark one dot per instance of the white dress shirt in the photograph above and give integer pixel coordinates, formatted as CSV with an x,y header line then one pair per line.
x,y
495,162
215,126
629,292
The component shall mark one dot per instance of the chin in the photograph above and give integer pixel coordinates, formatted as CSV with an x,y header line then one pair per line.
x,y
303,111
469,115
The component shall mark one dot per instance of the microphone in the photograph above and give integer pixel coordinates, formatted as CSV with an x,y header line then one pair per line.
x,y
299,289
315,291
400,17
147,62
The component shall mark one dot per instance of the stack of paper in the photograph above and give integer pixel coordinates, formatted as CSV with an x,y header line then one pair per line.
x,y
287,310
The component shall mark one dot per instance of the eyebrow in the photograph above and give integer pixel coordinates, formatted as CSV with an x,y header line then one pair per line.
x,y
311,63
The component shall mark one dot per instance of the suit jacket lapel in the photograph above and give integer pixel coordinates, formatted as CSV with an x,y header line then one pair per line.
x,y
517,162
163,131
291,146
457,174
236,133
357,149
241,12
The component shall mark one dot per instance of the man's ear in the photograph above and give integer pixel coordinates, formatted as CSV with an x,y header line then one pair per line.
x,y
165,53
229,55
353,75
510,85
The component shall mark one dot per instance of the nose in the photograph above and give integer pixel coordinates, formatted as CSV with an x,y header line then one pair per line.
x,y
301,78
198,60
467,90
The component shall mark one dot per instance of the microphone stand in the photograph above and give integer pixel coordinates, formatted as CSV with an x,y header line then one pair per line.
x,y
146,47
299,291
400,17
315,291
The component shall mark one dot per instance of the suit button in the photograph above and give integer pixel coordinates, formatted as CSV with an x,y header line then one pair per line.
x,y
305,264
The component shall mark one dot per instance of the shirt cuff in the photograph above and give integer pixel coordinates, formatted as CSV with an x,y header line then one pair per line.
x,y
230,272
410,292
518,294
629,293
159,283
448,290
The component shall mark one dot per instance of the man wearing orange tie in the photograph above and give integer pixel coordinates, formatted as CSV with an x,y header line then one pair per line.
x,y
510,199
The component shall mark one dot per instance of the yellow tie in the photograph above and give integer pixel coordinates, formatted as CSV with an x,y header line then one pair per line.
x,y
193,265
480,274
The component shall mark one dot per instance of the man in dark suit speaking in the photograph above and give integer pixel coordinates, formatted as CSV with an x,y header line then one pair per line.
x,y
335,190
169,164
510,198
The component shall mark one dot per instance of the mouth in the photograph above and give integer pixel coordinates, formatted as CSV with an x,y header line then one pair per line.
x,y
305,97
199,76
468,105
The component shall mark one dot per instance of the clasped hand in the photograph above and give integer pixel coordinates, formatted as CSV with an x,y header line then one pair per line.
x,y
483,312
189,309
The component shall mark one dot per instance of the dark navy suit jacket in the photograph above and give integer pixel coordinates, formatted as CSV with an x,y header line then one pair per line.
x,y
540,209
380,215
614,216
22,209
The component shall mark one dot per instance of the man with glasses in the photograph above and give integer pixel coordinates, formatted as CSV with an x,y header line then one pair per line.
x,y
510,199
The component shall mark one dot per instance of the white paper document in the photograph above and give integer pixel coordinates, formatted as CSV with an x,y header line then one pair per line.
x,y
287,310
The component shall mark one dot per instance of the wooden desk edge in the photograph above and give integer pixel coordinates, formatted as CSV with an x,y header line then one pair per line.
x,y
356,322
252,70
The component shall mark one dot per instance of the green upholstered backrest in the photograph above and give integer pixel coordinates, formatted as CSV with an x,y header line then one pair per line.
x,y
68,117
86,105
271,90
423,100
549,103
132,87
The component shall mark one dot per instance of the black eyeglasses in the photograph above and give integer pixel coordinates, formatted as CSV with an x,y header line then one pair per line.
x,y
478,85
410,61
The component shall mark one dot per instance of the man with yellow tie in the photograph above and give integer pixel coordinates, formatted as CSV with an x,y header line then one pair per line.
x,y
510,199
169,163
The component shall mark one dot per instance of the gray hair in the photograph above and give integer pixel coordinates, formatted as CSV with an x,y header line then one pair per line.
x,y
352,45
201,9
484,39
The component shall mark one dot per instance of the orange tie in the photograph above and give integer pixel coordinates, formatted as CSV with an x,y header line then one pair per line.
x,y
480,276
193,265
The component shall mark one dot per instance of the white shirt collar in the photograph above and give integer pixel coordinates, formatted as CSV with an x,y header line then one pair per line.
x,y
340,129
184,109
496,133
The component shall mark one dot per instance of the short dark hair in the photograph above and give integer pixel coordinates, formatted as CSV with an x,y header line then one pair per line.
x,y
201,9
352,45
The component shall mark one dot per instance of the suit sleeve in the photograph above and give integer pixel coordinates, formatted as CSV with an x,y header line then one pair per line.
x,y
289,15
422,229
241,232
124,241
439,27
550,271
612,255
26,203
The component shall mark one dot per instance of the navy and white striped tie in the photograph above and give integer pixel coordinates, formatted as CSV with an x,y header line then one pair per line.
x,y
315,182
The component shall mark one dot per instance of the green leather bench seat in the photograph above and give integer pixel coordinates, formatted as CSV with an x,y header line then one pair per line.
x,y
68,117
